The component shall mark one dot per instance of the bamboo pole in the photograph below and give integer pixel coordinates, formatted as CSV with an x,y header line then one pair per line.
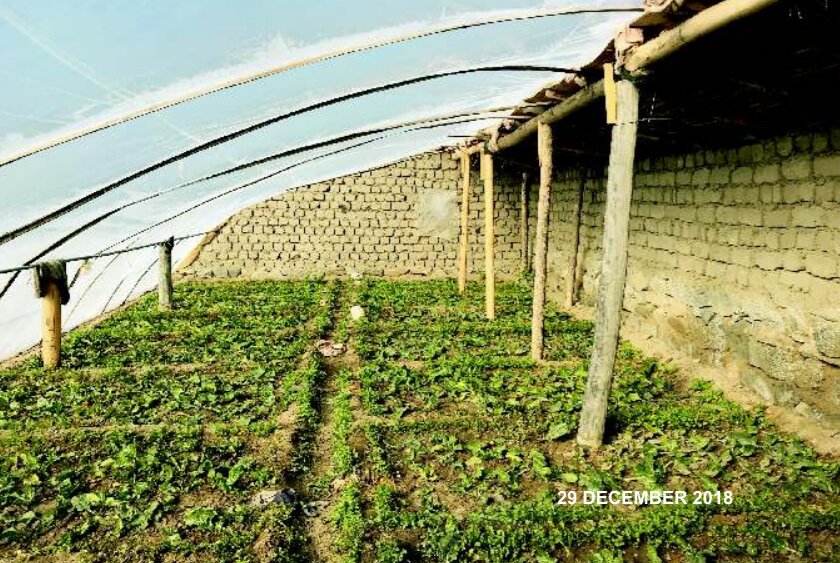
x,y
577,101
613,267
523,223
51,327
573,253
544,151
611,103
489,237
465,222
165,275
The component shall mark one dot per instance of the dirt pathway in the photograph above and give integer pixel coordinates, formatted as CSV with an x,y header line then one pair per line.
x,y
318,487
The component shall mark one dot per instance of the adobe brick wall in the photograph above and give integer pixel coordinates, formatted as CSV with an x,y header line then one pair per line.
x,y
734,253
397,220
734,259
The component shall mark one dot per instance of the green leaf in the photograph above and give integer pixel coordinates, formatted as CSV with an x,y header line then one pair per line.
x,y
199,517
237,471
539,464
652,556
475,461
569,477
85,502
558,430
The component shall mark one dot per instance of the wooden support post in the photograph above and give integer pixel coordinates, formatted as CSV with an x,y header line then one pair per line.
x,y
165,271
544,150
613,267
489,237
51,308
610,99
50,282
573,251
523,223
465,221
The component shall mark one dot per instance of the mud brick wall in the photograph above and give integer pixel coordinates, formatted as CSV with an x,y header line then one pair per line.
x,y
398,220
734,258
734,252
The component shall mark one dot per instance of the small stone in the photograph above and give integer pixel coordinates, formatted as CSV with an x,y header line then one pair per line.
x,y
282,496
827,337
356,312
329,349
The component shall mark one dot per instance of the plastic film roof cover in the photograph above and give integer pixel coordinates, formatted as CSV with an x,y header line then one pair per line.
x,y
94,92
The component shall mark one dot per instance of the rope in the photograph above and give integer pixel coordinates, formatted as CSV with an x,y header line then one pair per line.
x,y
107,252
350,137
255,181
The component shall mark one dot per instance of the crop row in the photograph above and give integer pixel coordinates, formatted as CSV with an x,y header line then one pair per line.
x,y
154,437
463,445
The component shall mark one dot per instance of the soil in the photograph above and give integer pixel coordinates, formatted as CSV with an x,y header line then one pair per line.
x,y
318,526
277,447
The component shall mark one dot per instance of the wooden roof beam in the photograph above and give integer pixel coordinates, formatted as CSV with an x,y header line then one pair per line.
x,y
643,56
697,26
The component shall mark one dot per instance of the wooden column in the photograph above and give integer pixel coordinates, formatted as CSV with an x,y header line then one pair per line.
x,y
573,264
523,223
489,237
165,275
544,150
49,280
465,221
51,328
613,267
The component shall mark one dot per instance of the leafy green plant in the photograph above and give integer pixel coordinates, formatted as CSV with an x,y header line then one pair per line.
x,y
153,409
151,443
390,551
349,522
461,408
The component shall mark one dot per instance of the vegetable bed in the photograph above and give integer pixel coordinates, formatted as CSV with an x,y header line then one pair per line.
x,y
464,448
429,436
151,440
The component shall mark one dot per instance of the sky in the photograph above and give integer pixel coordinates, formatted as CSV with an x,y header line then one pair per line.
x,y
67,65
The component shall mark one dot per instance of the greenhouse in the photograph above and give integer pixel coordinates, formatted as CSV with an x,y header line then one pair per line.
x,y
509,280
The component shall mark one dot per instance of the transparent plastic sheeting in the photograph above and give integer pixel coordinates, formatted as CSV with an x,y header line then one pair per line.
x,y
66,65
